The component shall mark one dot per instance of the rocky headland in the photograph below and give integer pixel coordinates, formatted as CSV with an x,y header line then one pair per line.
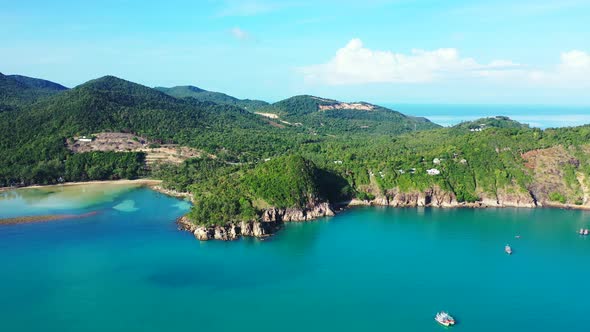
x,y
271,220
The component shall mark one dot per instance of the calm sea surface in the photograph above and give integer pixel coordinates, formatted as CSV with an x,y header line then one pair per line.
x,y
127,268
541,116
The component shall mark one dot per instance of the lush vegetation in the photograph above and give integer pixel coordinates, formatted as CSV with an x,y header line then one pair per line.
x,y
34,138
20,91
188,91
225,193
104,166
306,156
77,167
285,182
305,111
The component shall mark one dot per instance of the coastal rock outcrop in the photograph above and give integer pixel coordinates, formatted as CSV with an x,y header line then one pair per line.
x,y
270,222
517,199
435,197
430,197
293,214
200,232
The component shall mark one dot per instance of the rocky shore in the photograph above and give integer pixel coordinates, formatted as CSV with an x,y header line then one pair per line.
x,y
435,197
272,219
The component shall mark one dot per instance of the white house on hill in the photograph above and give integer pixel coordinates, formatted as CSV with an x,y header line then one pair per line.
x,y
433,171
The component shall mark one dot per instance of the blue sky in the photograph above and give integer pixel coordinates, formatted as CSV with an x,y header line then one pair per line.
x,y
501,52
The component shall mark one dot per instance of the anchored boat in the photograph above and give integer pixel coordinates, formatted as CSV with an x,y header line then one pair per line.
x,y
508,250
444,318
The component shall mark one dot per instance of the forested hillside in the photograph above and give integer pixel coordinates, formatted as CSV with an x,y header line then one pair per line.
x,y
328,116
504,164
293,154
20,91
189,91
32,141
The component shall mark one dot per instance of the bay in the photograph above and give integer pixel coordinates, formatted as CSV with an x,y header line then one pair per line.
x,y
128,268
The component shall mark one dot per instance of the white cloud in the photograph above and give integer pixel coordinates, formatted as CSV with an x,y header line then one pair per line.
x,y
575,65
239,34
355,64
572,71
575,60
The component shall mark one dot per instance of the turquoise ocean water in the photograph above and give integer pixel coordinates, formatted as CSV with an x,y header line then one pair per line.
x,y
127,268
540,116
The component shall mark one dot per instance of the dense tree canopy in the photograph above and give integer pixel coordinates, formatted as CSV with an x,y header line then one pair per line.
x,y
188,91
316,150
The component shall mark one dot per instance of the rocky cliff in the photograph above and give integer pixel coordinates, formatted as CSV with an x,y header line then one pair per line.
x,y
270,222
435,197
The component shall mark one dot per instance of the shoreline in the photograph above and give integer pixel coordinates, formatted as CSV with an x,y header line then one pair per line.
x,y
268,227
151,184
172,193
155,185
476,205
147,182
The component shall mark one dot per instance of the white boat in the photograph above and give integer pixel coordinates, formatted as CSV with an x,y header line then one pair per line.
x,y
444,318
586,231
508,250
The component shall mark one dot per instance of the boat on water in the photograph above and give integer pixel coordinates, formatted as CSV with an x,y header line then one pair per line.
x,y
584,231
508,250
444,318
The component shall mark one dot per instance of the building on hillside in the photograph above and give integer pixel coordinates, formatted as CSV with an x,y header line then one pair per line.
x,y
433,171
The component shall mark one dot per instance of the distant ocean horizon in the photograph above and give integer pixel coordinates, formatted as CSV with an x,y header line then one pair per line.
x,y
540,116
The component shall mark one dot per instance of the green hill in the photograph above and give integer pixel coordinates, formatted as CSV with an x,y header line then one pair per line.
x,y
36,136
333,117
20,91
284,182
189,91
491,122
37,83
295,152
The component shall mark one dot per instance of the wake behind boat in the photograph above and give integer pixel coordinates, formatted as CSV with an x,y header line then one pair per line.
x,y
444,318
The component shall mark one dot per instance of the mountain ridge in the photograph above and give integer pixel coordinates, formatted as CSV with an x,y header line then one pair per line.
x,y
331,116
191,91
17,91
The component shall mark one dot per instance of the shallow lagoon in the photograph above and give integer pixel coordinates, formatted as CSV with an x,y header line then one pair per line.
x,y
370,269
